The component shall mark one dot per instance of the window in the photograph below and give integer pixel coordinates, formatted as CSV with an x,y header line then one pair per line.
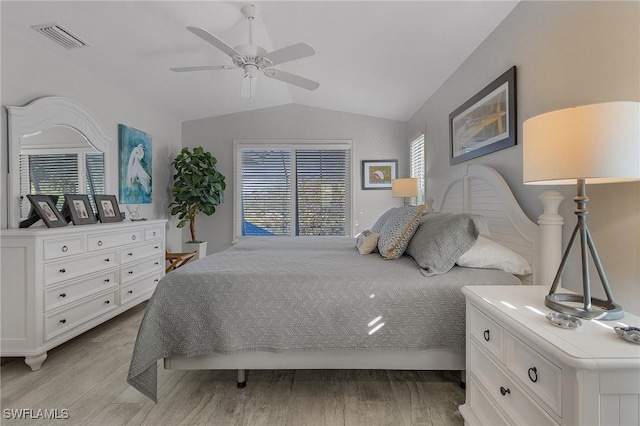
x,y
301,189
59,174
416,160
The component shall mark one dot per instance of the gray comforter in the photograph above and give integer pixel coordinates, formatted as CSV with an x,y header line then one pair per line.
x,y
280,294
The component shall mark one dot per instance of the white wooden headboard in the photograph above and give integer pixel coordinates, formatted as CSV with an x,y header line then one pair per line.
x,y
478,189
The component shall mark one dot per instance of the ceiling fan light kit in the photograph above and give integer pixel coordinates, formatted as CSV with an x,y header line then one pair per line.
x,y
253,59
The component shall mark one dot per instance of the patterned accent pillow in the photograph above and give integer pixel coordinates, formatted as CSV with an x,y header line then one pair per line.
x,y
440,241
377,227
367,242
398,230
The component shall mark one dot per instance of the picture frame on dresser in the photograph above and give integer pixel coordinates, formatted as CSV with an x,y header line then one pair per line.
x,y
79,208
46,209
108,210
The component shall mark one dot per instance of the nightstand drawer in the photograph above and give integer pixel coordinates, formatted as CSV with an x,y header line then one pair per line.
x,y
136,252
63,270
510,398
487,412
56,297
64,247
487,332
537,373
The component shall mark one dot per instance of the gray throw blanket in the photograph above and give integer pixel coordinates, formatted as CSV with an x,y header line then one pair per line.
x,y
279,294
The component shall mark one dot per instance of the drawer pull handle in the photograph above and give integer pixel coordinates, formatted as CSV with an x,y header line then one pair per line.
x,y
106,280
130,272
107,260
156,247
130,292
133,237
62,321
157,263
504,391
99,243
106,302
533,374
63,270
487,335
63,294
154,233
65,249
156,280
129,254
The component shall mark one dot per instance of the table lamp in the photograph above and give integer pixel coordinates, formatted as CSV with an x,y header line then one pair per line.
x,y
594,144
404,188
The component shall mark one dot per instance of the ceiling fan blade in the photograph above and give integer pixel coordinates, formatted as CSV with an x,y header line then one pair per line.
x,y
290,53
208,37
203,68
296,80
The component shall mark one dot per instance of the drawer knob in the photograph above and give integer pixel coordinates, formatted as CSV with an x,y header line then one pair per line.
x,y
62,321
133,237
130,272
130,292
154,233
63,270
487,335
156,280
99,243
157,263
129,254
504,391
106,280
156,247
106,302
107,259
63,294
65,249
533,374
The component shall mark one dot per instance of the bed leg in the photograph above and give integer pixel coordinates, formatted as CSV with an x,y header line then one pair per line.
x,y
463,379
242,381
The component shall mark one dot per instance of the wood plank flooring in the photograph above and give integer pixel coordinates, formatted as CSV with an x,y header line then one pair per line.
x,y
87,376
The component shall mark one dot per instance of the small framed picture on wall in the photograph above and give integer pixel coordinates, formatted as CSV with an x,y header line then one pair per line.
x,y
378,174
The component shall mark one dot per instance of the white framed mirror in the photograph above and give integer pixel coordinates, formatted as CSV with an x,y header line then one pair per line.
x,y
56,146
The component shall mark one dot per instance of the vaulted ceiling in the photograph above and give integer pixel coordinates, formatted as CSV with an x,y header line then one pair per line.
x,y
377,58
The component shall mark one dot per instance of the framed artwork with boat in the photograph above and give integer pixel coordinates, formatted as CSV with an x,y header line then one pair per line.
x,y
485,123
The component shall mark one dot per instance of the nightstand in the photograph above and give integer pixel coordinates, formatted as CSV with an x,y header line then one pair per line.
x,y
523,370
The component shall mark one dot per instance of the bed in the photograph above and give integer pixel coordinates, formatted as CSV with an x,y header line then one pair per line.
x,y
309,302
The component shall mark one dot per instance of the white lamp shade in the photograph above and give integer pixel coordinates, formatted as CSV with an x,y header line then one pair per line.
x,y
599,143
404,188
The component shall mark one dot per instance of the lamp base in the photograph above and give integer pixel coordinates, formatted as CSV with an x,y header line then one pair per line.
x,y
608,310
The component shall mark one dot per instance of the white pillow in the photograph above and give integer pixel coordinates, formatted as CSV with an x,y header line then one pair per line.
x,y
491,255
367,242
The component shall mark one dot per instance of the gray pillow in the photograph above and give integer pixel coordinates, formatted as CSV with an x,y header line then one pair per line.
x,y
398,230
440,240
377,227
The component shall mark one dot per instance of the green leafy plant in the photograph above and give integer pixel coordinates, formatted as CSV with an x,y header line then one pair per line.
x,y
197,186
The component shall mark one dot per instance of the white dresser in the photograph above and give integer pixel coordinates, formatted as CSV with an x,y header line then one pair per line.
x,y
60,282
522,370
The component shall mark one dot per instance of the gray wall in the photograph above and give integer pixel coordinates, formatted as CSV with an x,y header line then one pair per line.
x,y
373,138
567,54
30,72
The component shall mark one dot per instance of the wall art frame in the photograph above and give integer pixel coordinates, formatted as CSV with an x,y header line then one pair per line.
x,y
378,174
135,166
485,123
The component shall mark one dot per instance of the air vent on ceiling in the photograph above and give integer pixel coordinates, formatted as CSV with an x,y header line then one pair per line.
x,y
60,35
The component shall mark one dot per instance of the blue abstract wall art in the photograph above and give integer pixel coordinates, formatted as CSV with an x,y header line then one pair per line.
x,y
135,166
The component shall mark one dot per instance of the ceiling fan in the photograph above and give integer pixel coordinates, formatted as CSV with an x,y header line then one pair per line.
x,y
252,58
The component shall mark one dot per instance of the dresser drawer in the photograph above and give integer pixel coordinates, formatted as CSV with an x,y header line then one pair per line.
x,y
154,232
56,297
102,241
510,398
136,270
133,253
538,374
487,412
62,247
59,322
145,285
487,332
67,269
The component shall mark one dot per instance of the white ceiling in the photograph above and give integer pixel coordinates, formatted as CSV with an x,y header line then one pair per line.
x,y
377,58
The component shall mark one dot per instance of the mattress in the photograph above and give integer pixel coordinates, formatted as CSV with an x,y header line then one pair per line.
x,y
280,294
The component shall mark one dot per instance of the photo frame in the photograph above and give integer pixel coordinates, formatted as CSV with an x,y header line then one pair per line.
x,y
79,208
485,123
46,209
135,165
378,174
108,210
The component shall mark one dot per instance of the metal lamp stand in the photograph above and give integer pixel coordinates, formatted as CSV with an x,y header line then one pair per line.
x,y
604,309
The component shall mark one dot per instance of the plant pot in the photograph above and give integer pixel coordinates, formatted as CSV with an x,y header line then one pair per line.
x,y
199,246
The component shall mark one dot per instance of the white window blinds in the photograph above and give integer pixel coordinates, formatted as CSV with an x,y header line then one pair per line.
x,y
416,160
292,189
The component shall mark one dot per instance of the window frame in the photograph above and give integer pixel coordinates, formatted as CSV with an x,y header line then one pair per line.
x,y
421,198
292,145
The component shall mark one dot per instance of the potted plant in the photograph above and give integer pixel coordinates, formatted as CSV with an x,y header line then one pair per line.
x,y
197,187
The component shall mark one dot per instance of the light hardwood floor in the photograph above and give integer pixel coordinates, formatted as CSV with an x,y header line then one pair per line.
x,y
87,376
